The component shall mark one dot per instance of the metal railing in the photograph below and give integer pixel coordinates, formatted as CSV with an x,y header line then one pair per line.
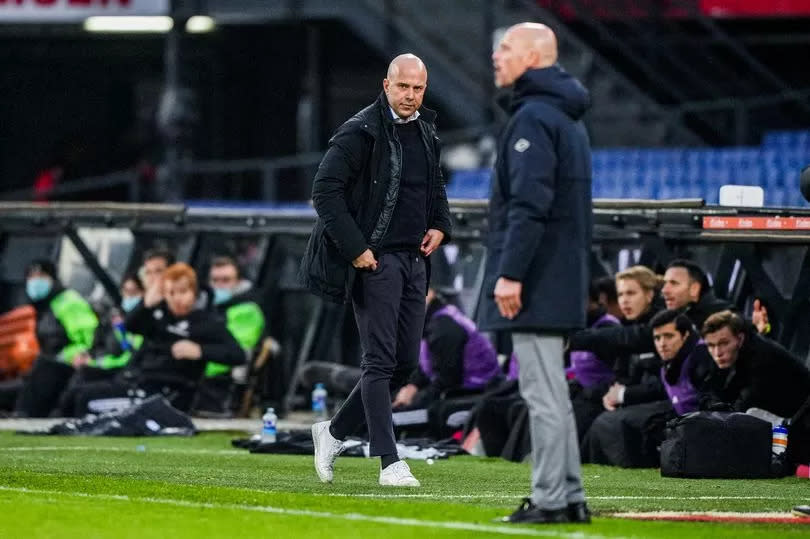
x,y
234,176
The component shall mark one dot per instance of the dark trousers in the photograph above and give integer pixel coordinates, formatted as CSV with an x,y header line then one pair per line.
x,y
389,306
628,437
85,375
586,410
43,387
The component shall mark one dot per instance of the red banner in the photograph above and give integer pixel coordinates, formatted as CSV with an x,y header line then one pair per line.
x,y
44,11
756,223
755,8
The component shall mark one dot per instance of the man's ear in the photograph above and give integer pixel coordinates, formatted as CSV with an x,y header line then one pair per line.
x,y
532,58
741,336
694,289
386,83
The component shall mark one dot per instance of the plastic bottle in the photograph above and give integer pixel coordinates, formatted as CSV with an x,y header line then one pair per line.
x,y
120,328
125,344
269,420
780,439
319,401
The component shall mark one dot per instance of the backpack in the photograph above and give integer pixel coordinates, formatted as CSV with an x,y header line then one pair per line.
x,y
719,445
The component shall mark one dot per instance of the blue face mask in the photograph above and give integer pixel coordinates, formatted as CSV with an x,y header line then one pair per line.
x,y
221,295
130,302
38,288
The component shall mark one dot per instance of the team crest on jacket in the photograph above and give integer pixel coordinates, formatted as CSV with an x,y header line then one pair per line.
x,y
522,145
180,328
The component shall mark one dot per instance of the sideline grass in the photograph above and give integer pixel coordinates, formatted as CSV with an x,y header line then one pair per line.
x,y
106,487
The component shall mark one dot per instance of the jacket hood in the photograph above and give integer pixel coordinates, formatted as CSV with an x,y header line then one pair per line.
x,y
554,86
672,368
707,305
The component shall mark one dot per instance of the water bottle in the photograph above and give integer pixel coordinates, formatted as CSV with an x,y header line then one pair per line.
x,y
122,331
780,439
319,401
269,426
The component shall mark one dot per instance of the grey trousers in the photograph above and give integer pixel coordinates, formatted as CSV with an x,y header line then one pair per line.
x,y
556,475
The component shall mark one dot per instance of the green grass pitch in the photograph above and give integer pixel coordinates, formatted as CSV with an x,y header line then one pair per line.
x,y
55,487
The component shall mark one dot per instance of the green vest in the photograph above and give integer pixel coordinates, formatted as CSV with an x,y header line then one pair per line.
x,y
245,321
78,320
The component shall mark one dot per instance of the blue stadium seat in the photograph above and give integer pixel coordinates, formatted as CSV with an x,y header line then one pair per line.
x,y
470,184
683,172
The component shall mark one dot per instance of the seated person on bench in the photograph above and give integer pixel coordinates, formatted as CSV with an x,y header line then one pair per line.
x,y
178,343
66,327
454,355
236,301
751,371
629,436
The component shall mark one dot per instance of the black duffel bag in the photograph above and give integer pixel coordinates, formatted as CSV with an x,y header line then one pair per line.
x,y
718,445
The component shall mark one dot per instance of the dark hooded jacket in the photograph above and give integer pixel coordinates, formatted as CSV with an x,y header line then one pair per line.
x,y
66,324
707,305
355,192
540,212
765,376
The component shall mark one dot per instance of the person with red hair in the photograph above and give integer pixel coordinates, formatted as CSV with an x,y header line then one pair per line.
x,y
179,341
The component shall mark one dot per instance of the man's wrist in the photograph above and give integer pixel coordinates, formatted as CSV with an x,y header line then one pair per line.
x,y
766,329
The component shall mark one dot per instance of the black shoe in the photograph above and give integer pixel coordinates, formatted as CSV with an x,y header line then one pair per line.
x,y
802,511
528,513
578,512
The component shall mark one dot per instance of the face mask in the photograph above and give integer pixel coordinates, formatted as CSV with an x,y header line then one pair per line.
x,y
130,302
38,288
221,295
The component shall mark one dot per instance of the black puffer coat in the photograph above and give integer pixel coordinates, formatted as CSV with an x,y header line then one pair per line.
x,y
355,192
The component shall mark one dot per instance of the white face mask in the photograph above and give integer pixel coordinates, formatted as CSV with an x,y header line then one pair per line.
x,y
128,303
38,288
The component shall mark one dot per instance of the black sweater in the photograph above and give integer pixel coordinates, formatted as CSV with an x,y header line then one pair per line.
x,y
409,221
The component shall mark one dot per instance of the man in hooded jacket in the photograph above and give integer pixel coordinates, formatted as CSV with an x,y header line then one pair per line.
x,y
538,254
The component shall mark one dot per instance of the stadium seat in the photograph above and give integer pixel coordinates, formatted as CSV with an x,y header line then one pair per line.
x,y
470,184
18,342
683,172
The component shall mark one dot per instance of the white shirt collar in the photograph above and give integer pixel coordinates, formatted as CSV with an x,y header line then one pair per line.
x,y
398,120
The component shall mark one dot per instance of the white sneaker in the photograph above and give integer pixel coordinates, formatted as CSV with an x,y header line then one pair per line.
x,y
327,449
398,474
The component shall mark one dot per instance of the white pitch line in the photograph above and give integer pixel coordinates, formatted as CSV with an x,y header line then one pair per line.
x,y
516,496
718,514
395,521
133,449
483,496
691,498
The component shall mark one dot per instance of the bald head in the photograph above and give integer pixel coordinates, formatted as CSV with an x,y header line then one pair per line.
x,y
405,62
405,84
524,46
